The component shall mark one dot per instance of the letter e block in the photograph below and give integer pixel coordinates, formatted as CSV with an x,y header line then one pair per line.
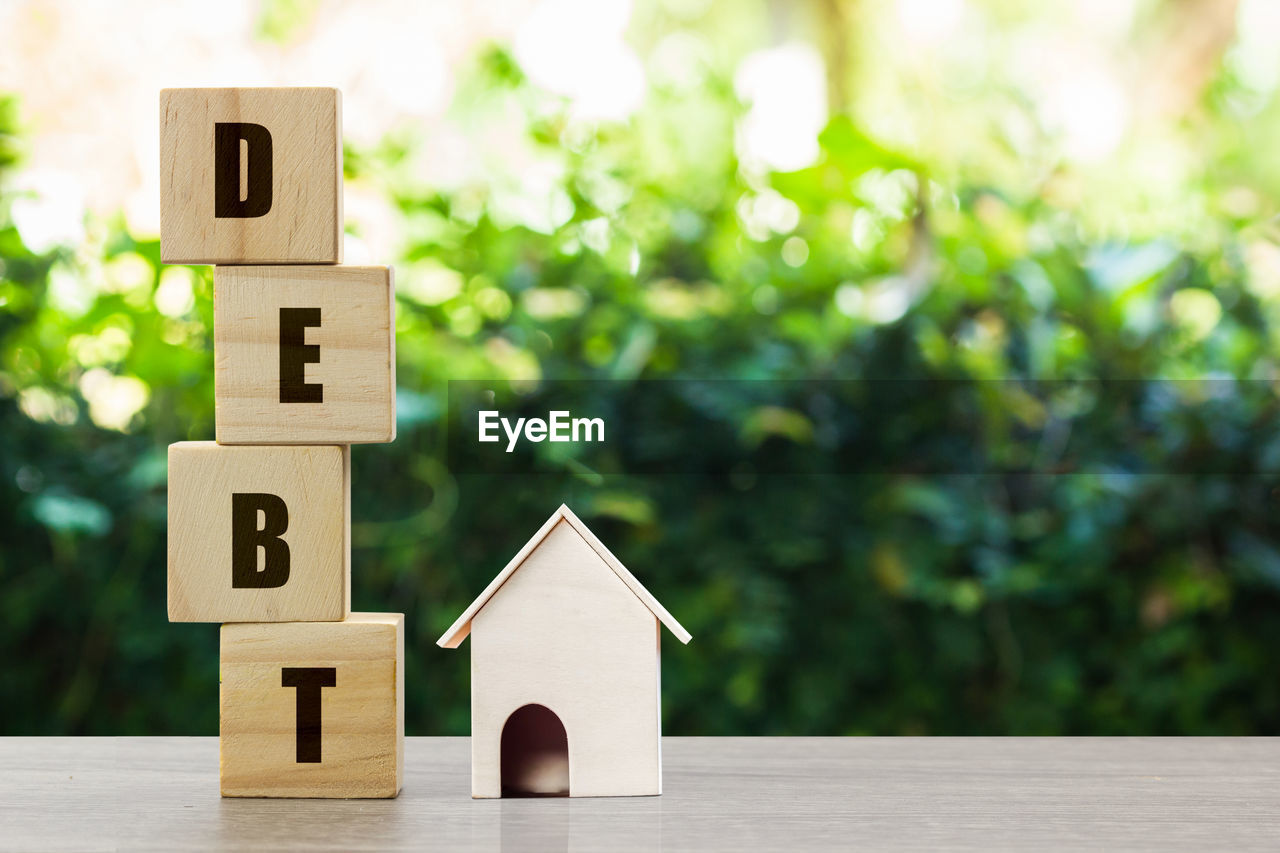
x,y
304,355
251,176
313,709
258,534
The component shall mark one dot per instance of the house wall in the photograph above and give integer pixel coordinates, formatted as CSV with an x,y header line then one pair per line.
x,y
564,631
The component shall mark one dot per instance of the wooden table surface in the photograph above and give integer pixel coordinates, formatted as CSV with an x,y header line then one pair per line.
x,y
738,794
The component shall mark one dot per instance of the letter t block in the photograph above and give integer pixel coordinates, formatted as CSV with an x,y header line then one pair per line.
x,y
313,709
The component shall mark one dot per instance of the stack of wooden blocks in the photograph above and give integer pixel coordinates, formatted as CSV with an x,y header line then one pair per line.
x,y
312,695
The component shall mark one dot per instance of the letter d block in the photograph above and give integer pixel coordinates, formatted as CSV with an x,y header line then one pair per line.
x,y
251,176
258,534
304,355
313,709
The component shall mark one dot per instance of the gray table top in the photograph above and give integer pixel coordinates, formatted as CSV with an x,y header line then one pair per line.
x,y
738,794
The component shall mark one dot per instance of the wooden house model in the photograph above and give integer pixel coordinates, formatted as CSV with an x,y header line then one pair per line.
x,y
565,676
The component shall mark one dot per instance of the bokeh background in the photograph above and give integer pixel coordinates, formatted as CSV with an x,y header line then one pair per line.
x,y
968,190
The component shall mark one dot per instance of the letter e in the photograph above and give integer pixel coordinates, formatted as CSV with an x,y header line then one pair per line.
x,y
296,354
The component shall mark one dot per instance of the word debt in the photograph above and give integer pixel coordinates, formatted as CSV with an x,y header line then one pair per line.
x,y
560,426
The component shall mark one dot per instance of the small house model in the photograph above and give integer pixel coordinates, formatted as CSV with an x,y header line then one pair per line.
x,y
565,693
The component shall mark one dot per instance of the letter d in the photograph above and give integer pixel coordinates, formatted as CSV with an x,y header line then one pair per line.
x,y
227,203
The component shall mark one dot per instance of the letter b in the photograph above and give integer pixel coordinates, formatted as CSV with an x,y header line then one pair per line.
x,y
247,537
227,203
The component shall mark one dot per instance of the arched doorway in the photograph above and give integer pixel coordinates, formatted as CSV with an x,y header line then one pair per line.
x,y
535,754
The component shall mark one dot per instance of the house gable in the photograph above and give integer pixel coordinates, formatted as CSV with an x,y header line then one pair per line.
x,y
462,626
562,599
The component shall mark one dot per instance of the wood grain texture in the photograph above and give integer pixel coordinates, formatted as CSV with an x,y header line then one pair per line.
x,y
362,714
566,633
356,367
304,222
730,794
314,484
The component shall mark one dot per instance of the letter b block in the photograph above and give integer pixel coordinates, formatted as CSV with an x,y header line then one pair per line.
x,y
251,176
313,709
304,355
258,534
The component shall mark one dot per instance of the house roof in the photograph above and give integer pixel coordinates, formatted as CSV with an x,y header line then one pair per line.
x,y
459,630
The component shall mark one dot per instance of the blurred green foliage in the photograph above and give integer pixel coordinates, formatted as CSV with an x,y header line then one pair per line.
x,y
1091,603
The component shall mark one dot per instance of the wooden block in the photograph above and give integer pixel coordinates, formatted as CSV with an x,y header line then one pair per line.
x,y
259,534
313,709
251,176
304,355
